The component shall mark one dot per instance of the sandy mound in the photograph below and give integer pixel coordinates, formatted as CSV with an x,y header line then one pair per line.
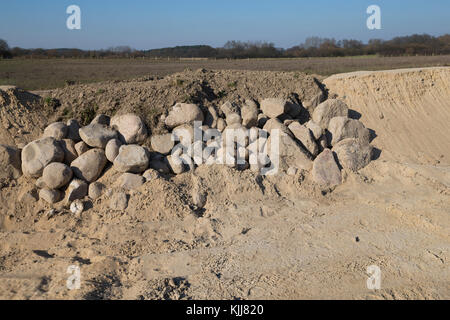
x,y
408,110
257,237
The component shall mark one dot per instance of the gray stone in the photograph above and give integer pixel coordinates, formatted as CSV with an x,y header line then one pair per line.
x,y
131,181
327,110
118,201
50,196
176,164
228,108
56,175
162,143
304,135
89,165
341,128
57,130
353,154
97,135
199,198
326,172
316,130
77,189
40,183
249,114
112,149
81,147
131,158
184,134
275,124
290,154
73,130
183,113
70,153
38,154
96,190
233,118
274,107
131,128
10,163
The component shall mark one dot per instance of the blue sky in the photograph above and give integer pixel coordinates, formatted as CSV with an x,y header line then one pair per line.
x,y
146,24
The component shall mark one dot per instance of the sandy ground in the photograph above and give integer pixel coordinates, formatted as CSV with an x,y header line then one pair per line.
x,y
261,237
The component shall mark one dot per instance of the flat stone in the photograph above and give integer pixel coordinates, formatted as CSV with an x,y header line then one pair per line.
x,y
326,172
97,135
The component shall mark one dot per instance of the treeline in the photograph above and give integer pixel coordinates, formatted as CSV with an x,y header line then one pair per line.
x,y
312,47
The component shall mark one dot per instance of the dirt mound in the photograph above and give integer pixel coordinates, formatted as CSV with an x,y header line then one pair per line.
x,y
408,110
257,237
149,97
20,115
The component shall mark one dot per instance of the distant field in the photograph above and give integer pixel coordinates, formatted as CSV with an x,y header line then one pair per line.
x,y
53,73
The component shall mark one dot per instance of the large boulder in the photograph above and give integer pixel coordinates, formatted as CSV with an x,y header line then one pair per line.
x,y
131,128
341,128
290,154
57,130
131,158
10,163
183,113
274,107
56,175
38,154
162,143
327,110
97,135
325,171
89,165
353,154
304,135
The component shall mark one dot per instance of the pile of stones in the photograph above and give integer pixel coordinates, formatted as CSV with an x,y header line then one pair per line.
x,y
68,159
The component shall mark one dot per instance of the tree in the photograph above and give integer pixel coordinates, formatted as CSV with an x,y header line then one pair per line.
x,y
4,50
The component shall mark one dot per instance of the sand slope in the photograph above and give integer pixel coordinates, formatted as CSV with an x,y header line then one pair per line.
x,y
409,109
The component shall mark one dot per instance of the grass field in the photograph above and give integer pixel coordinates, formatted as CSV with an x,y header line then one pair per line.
x,y
52,73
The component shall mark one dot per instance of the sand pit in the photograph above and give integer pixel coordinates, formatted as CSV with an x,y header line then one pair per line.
x,y
255,237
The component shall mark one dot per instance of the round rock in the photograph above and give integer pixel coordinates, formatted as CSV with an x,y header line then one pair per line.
x,y
112,149
131,158
38,154
56,175
131,128
57,130
89,165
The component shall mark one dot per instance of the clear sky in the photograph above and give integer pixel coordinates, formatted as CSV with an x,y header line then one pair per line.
x,y
146,24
